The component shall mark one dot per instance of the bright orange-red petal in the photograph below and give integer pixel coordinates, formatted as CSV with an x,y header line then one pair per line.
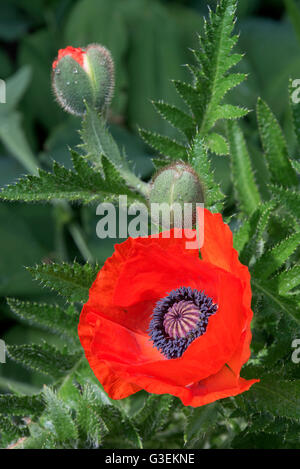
x,y
75,52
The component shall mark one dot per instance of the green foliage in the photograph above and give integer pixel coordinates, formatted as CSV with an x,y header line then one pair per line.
x,y
200,423
199,160
242,175
21,405
83,184
73,411
275,147
51,317
153,416
72,281
44,358
212,81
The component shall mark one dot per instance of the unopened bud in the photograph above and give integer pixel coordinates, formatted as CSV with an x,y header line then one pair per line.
x,y
83,76
178,187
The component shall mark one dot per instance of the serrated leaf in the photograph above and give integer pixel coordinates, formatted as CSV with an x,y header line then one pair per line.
x,y
275,147
21,405
51,317
257,440
118,423
277,396
41,439
154,415
216,60
217,144
179,119
254,228
198,159
44,358
85,184
242,175
91,426
229,112
273,259
60,417
72,281
288,280
190,96
9,431
288,197
199,423
164,145
282,305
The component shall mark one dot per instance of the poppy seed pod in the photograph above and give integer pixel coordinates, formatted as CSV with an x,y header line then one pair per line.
x,y
177,187
83,76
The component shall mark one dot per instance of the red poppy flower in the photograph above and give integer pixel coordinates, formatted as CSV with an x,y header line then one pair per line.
x,y
77,53
161,318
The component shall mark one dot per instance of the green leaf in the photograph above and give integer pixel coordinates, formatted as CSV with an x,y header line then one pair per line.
x,y
98,143
273,259
179,119
44,358
45,315
199,423
257,440
190,96
60,417
120,427
216,143
164,145
91,426
72,281
275,147
198,158
40,438
288,197
9,431
216,60
288,280
253,231
281,305
153,416
21,405
242,174
97,140
277,396
212,81
84,184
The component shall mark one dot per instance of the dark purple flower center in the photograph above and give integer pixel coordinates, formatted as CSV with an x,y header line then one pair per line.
x,y
178,319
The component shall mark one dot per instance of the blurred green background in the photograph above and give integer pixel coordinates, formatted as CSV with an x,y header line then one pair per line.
x,y
150,42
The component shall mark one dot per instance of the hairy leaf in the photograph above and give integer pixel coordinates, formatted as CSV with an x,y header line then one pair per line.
x,y
72,281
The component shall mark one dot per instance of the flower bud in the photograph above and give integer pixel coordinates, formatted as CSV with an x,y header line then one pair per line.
x,y
83,76
178,187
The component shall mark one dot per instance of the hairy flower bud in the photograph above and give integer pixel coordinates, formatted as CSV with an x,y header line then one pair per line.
x,y
83,76
178,187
